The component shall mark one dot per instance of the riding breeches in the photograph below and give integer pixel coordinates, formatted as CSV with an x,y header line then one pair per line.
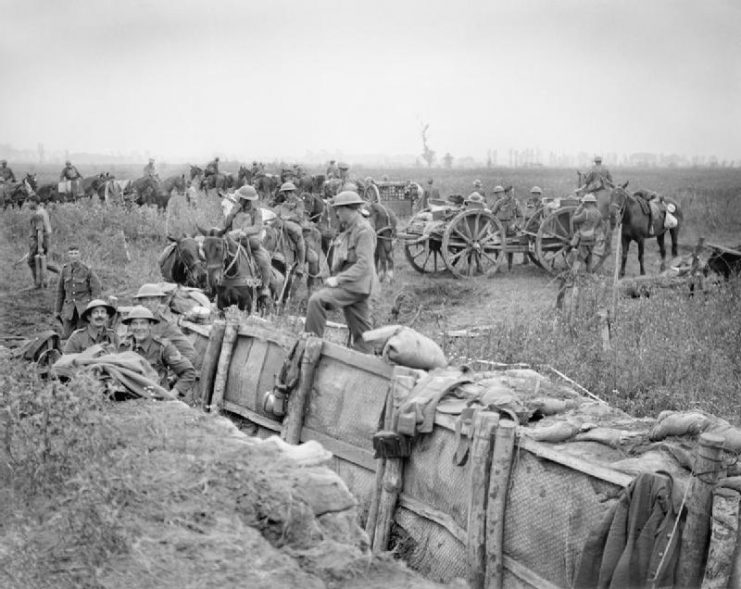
x,y
262,258
296,235
355,306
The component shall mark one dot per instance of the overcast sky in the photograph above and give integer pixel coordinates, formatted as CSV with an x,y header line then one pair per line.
x,y
193,78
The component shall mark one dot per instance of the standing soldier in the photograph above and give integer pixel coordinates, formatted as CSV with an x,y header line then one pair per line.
x,y
509,212
497,193
290,209
78,285
72,180
587,222
159,352
244,223
97,313
349,288
152,297
534,213
39,237
479,187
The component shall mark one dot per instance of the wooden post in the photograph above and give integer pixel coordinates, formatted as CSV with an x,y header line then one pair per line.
x,y
696,535
225,358
604,326
393,480
616,273
388,423
484,426
501,465
210,361
294,420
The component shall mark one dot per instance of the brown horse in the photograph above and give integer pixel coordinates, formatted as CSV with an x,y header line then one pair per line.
x,y
384,223
640,223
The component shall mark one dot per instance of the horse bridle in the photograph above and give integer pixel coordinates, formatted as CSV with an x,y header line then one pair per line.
x,y
188,271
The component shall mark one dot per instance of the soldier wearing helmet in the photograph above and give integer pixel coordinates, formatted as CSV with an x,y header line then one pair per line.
x,y
344,172
587,222
97,331
159,352
353,273
244,223
333,171
290,209
474,201
507,209
153,298
598,178
479,187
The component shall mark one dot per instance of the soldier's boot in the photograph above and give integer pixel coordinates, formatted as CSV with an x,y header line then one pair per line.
x,y
300,256
263,262
33,276
510,257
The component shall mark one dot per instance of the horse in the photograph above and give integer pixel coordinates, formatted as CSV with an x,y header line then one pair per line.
x,y
176,182
266,185
182,262
16,194
244,176
148,191
384,223
638,223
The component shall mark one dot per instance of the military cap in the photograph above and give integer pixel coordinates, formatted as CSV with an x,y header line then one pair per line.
x,y
286,186
139,312
149,290
536,190
498,188
347,198
247,192
589,198
110,309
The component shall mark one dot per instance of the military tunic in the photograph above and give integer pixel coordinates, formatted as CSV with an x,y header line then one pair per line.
x,y
508,210
598,178
85,337
77,286
166,329
587,223
163,355
69,173
7,174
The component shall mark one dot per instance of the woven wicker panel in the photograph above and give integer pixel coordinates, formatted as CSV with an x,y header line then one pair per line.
x,y
550,512
360,481
428,548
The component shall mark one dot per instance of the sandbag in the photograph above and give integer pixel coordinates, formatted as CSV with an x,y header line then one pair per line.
x,y
407,347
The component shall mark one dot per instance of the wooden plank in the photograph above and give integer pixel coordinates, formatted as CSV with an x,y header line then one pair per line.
x,y
525,574
210,362
250,372
364,362
358,456
283,339
222,369
434,515
200,329
724,249
260,420
294,420
595,470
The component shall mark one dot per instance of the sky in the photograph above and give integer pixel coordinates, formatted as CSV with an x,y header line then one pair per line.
x,y
279,78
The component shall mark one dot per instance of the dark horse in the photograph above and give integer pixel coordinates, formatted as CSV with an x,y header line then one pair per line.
x,y
640,224
182,263
384,222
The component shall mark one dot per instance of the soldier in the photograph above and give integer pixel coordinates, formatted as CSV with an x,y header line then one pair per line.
x,y
39,237
508,211
353,269
430,192
212,168
97,313
534,213
474,201
479,187
78,285
587,222
598,178
69,172
152,297
6,174
291,212
255,169
332,170
496,194
344,173
150,170
159,352
245,224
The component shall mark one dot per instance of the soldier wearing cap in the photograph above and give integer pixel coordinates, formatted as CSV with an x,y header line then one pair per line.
x,y
290,209
598,178
244,223
6,174
353,274
507,209
152,297
587,222
332,170
97,313
77,286
161,354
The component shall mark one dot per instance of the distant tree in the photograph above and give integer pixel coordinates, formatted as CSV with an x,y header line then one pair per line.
x,y
427,154
448,160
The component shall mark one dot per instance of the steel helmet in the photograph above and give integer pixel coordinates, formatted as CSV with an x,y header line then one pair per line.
x,y
498,189
369,179
247,192
286,186
347,198
597,158
110,309
477,183
343,166
149,290
3,161
536,190
68,163
139,312
474,197
589,198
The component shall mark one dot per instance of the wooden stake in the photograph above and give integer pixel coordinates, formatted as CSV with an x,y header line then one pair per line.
x,y
616,273
484,425
210,362
501,467
708,469
388,423
393,480
222,370
294,420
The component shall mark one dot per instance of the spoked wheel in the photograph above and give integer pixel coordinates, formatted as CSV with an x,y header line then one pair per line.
x,y
425,256
473,244
553,241
531,230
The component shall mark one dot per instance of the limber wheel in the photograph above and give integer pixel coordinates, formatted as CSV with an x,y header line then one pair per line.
x,y
553,241
473,244
425,256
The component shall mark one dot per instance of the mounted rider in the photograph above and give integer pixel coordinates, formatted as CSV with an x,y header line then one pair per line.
x,y
150,171
587,222
6,174
598,178
70,180
290,210
244,223
333,171
212,168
